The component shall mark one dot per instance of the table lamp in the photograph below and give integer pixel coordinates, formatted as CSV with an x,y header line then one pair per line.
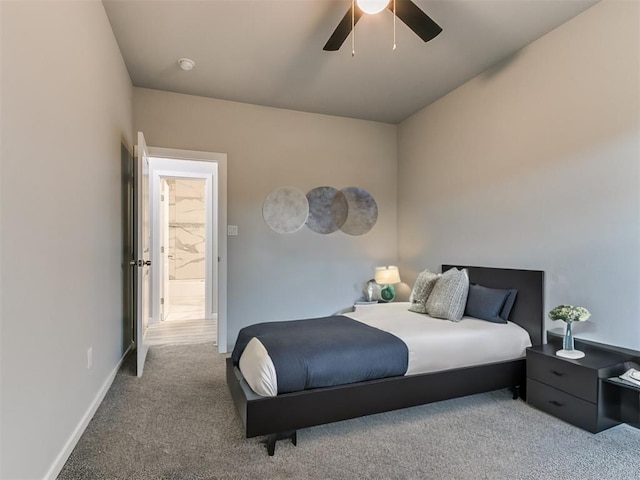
x,y
387,276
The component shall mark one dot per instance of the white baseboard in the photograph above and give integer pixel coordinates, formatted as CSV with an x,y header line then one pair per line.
x,y
64,454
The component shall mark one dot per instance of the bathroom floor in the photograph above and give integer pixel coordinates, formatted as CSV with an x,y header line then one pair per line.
x,y
185,308
184,324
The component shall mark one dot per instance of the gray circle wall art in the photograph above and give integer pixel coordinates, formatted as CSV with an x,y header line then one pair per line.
x,y
362,211
285,210
328,209
323,209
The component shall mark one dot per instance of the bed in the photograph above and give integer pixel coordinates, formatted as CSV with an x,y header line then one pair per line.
x,y
280,416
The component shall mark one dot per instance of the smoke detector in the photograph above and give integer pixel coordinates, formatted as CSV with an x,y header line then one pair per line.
x,y
186,64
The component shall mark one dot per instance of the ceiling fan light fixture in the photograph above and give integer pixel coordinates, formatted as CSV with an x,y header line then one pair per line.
x,y
372,6
404,10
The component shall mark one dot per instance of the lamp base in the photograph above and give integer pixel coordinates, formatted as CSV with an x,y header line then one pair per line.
x,y
388,293
573,354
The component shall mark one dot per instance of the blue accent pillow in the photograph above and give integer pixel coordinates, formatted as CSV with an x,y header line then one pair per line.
x,y
491,304
508,304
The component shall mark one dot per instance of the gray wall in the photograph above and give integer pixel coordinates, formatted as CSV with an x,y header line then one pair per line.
x,y
304,274
66,108
535,164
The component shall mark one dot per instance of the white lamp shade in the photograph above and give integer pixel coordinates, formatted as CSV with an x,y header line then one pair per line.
x,y
387,275
372,6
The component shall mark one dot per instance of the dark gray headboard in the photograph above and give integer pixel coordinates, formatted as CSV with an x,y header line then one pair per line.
x,y
528,311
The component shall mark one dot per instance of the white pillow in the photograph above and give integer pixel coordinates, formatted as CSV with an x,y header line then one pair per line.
x,y
421,290
449,295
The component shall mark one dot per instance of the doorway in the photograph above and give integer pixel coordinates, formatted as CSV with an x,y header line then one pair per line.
x,y
183,235
188,247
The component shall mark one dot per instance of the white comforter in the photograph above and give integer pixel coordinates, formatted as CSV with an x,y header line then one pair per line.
x,y
433,344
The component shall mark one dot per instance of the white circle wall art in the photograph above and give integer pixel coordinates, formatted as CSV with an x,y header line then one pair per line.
x,y
363,211
327,209
285,210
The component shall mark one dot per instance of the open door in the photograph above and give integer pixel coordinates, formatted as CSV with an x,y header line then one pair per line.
x,y
142,249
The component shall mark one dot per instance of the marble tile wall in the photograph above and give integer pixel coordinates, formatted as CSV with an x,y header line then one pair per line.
x,y
186,229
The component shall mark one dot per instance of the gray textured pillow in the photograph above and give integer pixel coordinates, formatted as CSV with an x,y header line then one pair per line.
x,y
449,295
421,290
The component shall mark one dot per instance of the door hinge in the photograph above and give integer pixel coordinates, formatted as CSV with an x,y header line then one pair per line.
x,y
162,198
162,301
161,249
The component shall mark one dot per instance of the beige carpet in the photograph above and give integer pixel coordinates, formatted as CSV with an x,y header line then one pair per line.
x,y
178,422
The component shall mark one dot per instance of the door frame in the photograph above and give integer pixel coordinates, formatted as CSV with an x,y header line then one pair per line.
x,y
163,264
160,169
169,162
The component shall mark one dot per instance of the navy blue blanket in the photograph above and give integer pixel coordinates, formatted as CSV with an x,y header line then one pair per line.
x,y
323,352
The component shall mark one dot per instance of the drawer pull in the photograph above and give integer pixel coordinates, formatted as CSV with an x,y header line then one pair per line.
x,y
559,374
556,403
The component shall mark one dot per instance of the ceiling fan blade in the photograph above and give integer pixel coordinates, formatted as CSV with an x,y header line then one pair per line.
x,y
342,31
416,19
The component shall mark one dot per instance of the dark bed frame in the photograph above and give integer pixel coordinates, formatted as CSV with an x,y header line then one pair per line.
x,y
279,417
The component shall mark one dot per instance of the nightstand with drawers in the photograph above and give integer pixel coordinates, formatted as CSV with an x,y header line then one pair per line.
x,y
573,390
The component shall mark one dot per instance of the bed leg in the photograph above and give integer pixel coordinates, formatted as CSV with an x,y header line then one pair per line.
x,y
274,437
519,391
271,444
515,391
522,390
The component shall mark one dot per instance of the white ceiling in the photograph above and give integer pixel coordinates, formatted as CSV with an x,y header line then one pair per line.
x,y
269,52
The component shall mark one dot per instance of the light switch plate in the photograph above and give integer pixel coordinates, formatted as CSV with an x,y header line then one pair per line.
x,y
232,230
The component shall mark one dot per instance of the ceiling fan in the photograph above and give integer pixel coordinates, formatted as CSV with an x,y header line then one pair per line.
x,y
405,10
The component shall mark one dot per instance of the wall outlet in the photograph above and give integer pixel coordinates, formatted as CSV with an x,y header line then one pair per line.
x,y
232,230
89,357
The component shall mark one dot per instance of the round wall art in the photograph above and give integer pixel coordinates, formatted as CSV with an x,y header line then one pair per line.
x,y
362,211
328,209
323,209
285,210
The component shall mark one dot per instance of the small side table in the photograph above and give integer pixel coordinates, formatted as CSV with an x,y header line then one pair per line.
x,y
572,390
355,306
